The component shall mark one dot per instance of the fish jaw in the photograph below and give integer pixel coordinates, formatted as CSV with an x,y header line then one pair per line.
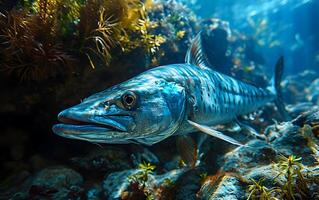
x,y
90,125
84,132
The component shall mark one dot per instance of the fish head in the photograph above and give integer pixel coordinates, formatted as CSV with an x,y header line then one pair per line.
x,y
135,111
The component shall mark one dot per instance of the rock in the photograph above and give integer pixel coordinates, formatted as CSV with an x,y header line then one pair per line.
x,y
15,186
215,37
116,183
285,140
313,92
58,177
141,154
257,160
291,142
56,183
188,185
93,194
297,109
295,86
311,117
225,187
136,184
255,153
102,160
267,172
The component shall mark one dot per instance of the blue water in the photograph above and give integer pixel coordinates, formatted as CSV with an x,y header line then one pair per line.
x,y
292,22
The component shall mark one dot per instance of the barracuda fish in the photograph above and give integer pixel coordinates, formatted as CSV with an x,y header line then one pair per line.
x,y
165,101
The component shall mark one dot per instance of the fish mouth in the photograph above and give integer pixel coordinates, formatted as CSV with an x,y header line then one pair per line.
x,y
107,124
101,129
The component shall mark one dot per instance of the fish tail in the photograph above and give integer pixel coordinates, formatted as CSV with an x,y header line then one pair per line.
x,y
275,88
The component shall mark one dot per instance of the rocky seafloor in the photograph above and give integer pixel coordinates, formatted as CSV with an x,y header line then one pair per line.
x,y
282,164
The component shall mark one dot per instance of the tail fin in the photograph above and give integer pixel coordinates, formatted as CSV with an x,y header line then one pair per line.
x,y
276,88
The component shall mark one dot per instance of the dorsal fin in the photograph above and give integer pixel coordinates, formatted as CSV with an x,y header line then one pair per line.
x,y
196,53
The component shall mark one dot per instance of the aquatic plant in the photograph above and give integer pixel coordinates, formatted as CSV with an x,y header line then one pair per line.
x,y
142,176
138,181
102,37
292,182
312,142
180,34
146,167
295,183
35,37
150,42
29,47
175,23
63,13
258,191
203,176
107,24
95,32
60,15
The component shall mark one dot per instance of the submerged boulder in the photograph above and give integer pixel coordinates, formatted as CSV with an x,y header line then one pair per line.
x,y
264,163
221,186
140,184
56,182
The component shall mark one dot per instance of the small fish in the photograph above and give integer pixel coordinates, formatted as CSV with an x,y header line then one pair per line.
x,y
168,100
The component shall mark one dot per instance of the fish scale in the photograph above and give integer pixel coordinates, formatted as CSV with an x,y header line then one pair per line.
x,y
167,100
218,97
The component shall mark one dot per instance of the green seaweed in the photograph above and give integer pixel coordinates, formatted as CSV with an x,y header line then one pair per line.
x,y
41,39
30,48
258,191
102,37
295,184
138,181
292,182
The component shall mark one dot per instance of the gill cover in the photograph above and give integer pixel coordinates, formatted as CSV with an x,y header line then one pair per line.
x,y
166,116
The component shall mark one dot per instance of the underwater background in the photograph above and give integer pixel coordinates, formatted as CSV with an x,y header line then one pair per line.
x,y
54,53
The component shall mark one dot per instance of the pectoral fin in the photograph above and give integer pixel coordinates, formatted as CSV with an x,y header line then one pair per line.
x,y
214,133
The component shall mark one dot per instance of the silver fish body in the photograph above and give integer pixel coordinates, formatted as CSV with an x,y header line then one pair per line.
x,y
212,98
165,101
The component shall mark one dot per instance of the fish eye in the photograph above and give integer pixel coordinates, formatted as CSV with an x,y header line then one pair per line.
x,y
129,99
